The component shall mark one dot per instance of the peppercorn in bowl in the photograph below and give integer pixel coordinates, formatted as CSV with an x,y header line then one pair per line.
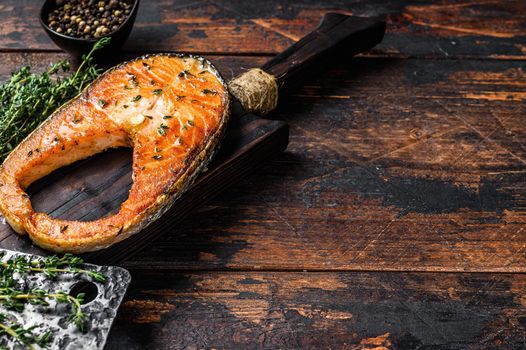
x,y
75,25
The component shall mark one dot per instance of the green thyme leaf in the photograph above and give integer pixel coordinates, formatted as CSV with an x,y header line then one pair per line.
x,y
184,74
162,129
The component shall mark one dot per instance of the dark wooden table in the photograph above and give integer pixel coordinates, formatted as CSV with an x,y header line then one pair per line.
x,y
395,219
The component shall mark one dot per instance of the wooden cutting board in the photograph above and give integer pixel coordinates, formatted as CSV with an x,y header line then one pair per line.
x,y
95,187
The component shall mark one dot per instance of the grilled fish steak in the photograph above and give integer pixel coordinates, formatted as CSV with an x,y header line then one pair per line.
x,y
172,109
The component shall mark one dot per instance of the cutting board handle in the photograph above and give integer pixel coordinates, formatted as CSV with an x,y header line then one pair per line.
x,y
337,36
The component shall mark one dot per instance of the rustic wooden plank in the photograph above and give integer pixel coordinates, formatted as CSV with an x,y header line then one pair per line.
x,y
251,310
467,28
393,165
422,171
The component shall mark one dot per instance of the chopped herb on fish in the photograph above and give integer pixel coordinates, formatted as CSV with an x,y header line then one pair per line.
x,y
209,92
162,129
133,79
184,74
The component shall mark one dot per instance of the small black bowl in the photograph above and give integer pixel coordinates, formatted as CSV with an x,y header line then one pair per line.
x,y
76,47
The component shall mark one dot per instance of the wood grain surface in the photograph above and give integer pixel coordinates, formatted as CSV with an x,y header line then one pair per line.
x,y
322,310
397,217
465,28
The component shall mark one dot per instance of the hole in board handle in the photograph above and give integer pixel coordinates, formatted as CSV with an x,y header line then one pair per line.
x,y
89,289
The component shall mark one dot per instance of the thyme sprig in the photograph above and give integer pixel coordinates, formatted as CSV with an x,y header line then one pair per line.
x,y
27,99
16,299
24,335
50,266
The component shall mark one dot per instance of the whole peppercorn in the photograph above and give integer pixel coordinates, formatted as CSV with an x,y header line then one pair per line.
x,y
88,18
